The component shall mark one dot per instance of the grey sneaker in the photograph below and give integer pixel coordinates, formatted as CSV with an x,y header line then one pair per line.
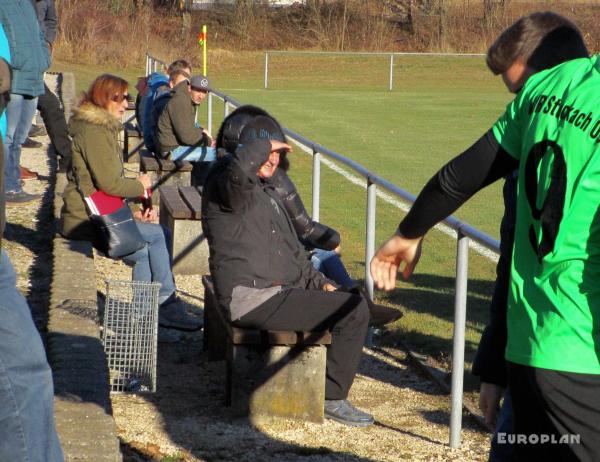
x,y
19,198
172,315
37,130
343,412
32,144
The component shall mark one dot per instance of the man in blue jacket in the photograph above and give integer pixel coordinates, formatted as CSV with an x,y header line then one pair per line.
x,y
29,59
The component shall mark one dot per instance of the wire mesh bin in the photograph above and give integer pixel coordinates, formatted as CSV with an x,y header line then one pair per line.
x,y
129,335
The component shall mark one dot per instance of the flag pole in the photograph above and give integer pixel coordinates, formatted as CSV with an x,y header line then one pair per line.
x,y
205,36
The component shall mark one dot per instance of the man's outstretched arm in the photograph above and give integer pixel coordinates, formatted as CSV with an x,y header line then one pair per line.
x,y
480,165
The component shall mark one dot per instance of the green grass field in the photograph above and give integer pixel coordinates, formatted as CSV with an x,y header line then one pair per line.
x,y
438,107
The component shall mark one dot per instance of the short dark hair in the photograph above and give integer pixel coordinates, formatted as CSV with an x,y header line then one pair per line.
x,y
541,40
178,65
178,73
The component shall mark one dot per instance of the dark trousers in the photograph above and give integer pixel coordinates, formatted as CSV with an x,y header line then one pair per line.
x,y
345,314
56,125
559,404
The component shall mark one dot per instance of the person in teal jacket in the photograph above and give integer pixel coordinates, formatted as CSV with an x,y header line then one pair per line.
x,y
5,55
29,59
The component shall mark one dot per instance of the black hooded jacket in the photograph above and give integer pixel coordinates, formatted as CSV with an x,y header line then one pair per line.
x,y
311,233
251,237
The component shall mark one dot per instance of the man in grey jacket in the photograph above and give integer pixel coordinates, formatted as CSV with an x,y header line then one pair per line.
x,y
177,133
30,59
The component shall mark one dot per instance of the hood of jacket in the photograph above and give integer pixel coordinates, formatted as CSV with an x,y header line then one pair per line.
x,y
157,79
89,113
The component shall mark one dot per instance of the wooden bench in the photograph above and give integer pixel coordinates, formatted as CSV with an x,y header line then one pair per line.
x,y
270,374
181,212
133,142
164,172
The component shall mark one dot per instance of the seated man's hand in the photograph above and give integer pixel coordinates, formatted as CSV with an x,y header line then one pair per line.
x,y
279,146
387,260
329,287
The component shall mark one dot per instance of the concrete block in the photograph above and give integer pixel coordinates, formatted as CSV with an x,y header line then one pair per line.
x,y
278,381
189,246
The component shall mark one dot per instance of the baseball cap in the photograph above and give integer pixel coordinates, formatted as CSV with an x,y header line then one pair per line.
x,y
200,82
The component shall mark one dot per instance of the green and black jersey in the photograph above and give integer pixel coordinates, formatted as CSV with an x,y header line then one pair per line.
x,y
553,129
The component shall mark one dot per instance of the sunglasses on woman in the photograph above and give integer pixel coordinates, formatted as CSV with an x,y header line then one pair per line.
x,y
121,98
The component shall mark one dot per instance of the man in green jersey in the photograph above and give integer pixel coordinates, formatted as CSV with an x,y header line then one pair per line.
x,y
551,133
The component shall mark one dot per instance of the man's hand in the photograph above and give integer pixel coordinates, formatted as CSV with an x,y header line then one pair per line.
x,y
489,402
279,146
386,262
328,287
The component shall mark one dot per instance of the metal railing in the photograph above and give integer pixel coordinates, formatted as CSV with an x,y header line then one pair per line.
x,y
464,234
341,53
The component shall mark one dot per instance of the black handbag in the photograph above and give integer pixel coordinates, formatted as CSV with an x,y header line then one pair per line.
x,y
118,234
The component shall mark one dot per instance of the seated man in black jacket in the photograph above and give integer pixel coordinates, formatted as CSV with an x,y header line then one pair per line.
x,y
262,275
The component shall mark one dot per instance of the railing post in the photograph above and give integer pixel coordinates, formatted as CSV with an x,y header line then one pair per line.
x,y
391,71
146,71
209,116
266,70
316,184
458,347
225,108
370,244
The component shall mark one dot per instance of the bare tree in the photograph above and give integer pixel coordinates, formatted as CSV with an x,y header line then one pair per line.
x,y
493,10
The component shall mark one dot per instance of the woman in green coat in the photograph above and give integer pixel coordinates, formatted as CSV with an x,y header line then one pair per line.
x,y
97,166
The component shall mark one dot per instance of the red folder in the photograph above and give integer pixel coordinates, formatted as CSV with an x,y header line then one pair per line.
x,y
100,203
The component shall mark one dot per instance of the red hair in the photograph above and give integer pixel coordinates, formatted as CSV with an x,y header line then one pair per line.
x,y
104,89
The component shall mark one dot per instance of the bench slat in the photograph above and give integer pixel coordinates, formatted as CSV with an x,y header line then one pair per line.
x,y
166,165
192,198
173,202
148,162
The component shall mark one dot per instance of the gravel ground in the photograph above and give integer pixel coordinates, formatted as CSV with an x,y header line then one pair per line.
x,y
185,420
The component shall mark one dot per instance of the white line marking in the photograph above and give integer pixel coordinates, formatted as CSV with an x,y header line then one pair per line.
x,y
396,203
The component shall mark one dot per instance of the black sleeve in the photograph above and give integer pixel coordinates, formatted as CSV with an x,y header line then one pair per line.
x,y
241,174
480,165
51,22
311,233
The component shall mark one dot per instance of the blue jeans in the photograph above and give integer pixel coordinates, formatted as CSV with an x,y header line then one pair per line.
x,y
330,264
19,113
27,430
194,153
152,263
503,452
